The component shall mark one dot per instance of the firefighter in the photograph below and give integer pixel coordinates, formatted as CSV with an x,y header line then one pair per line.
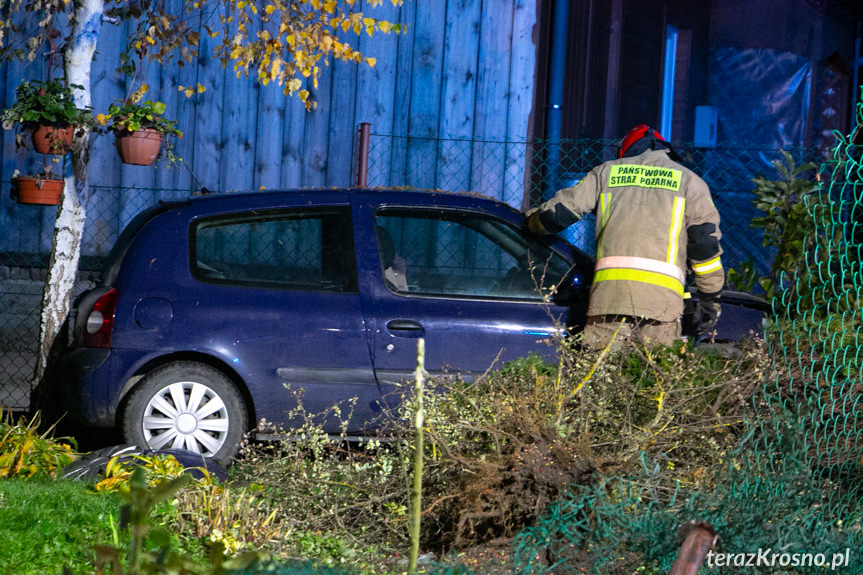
x,y
653,215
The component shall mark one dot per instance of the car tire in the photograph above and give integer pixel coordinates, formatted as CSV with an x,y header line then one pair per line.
x,y
186,405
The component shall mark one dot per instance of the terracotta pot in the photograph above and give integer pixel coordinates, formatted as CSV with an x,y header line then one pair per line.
x,y
139,148
31,190
52,140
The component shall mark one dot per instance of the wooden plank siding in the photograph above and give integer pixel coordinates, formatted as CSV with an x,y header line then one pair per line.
x,y
462,76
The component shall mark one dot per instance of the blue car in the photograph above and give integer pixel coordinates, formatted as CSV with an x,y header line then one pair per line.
x,y
220,311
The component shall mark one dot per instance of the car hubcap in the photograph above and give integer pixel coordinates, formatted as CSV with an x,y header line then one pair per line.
x,y
186,415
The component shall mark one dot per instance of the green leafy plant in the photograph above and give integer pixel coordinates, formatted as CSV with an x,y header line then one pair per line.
x,y
159,468
136,516
788,227
24,452
48,103
132,117
133,114
234,517
339,501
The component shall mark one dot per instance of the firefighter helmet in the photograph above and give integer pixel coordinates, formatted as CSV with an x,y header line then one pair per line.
x,y
638,133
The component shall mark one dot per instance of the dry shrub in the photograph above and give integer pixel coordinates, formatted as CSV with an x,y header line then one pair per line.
x,y
501,449
238,519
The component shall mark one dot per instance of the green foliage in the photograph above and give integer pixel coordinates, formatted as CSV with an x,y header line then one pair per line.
x,y
48,103
164,559
24,452
786,222
340,502
158,469
234,517
747,278
132,116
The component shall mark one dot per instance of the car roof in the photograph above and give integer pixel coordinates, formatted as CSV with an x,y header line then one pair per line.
x,y
392,195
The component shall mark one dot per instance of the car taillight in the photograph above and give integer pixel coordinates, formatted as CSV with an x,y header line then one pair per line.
x,y
100,320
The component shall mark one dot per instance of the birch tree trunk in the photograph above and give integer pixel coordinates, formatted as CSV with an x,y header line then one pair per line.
x,y
71,213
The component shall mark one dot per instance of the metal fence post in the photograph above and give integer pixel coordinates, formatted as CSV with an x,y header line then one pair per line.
x,y
700,540
363,132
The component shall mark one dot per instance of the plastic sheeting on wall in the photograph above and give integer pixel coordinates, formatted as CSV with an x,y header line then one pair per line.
x,y
762,96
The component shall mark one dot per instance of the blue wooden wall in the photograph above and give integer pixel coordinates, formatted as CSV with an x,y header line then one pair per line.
x,y
464,70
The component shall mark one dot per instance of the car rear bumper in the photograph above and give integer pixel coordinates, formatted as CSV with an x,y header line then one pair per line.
x,y
87,385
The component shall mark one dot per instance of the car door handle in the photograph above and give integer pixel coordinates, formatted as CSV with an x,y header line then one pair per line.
x,y
404,325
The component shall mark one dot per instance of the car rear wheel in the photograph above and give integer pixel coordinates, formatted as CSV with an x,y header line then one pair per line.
x,y
186,405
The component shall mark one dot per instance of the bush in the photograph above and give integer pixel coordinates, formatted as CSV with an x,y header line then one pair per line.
x,y
25,452
341,502
501,449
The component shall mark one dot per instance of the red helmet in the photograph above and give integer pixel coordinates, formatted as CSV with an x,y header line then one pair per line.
x,y
635,134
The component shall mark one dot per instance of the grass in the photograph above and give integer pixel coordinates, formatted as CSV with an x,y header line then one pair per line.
x,y
48,524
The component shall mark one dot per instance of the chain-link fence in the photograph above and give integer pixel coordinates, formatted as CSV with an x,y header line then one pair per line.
x,y
24,250
524,173
518,173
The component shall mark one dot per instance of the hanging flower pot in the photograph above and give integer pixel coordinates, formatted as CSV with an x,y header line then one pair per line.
x,y
140,147
52,140
36,190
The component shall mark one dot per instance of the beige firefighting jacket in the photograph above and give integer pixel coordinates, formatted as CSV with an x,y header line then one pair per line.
x,y
653,216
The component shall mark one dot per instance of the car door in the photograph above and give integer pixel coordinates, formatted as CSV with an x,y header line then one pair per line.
x,y
467,281
282,306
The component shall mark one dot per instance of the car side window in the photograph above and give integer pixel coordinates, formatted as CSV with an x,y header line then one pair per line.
x,y
453,253
308,250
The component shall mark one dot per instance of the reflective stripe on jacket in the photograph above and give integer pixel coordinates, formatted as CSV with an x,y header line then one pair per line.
x,y
652,217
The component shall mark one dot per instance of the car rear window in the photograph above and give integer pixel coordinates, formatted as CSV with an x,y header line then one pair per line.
x,y
308,250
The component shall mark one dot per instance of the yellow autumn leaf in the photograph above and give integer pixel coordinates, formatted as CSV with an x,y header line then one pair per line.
x,y
201,88
371,62
385,26
270,9
188,92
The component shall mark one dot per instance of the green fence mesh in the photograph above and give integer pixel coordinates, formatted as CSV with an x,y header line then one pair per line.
x,y
789,499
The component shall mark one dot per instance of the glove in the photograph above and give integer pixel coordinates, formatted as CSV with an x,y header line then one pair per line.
x,y
533,225
706,315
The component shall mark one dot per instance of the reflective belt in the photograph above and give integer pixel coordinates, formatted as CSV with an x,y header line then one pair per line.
x,y
707,267
639,276
642,264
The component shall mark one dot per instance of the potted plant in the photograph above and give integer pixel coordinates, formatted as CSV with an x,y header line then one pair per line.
x,y
139,128
41,189
47,111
